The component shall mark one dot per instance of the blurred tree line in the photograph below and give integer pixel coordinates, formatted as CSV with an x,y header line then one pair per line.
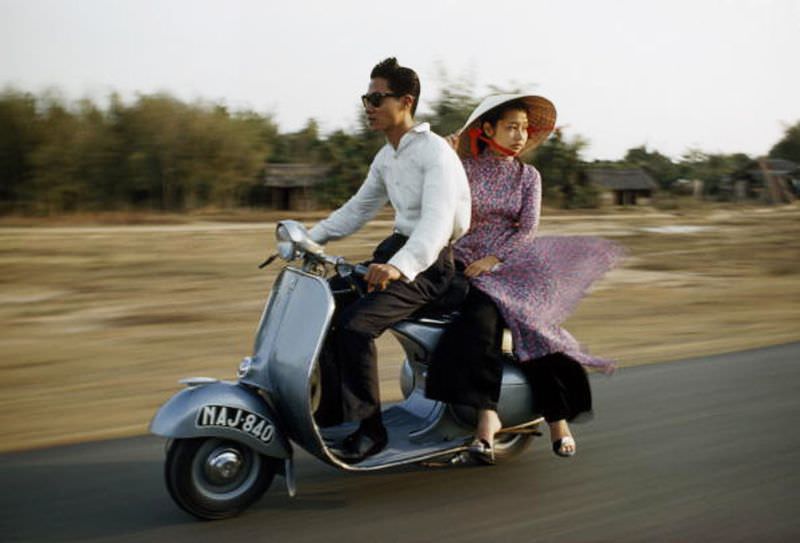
x,y
163,154
157,153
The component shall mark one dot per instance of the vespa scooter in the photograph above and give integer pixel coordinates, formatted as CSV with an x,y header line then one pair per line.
x,y
227,440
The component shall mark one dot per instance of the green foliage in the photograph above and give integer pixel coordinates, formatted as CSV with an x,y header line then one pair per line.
x,y
19,136
69,164
301,146
452,107
179,156
789,146
348,157
712,169
559,162
161,153
157,153
660,167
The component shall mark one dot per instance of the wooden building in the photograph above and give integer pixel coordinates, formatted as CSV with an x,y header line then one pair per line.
x,y
622,187
291,186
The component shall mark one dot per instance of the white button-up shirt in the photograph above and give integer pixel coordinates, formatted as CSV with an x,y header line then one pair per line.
x,y
425,182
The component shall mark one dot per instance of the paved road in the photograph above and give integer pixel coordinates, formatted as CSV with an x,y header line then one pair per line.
x,y
696,450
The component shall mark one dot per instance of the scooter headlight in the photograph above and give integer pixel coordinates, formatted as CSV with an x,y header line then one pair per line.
x,y
282,233
286,250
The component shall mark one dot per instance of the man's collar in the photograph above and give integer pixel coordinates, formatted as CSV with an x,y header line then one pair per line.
x,y
420,128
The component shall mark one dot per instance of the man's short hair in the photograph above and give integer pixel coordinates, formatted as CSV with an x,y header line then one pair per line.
x,y
401,80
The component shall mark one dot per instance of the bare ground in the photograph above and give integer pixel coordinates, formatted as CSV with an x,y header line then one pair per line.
x,y
99,321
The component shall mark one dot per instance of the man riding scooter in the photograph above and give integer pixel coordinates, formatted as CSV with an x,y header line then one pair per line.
x,y
422,177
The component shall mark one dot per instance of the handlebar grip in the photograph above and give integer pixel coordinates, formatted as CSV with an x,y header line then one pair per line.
x,y
360,270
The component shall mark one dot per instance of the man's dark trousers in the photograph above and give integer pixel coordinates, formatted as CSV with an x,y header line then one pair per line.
x,y
358,324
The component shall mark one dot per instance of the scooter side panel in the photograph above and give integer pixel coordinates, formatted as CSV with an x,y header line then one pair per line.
x,y
516,405
221,410
289,340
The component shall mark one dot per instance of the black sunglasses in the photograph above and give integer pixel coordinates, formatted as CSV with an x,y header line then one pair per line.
x,y
375,99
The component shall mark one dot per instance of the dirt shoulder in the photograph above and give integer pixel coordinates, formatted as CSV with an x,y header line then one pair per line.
x,y
100,320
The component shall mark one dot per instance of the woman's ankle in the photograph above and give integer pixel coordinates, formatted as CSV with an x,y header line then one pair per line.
x,y
488,424
559,429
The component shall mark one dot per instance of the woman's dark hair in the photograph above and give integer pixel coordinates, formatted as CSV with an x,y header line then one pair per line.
x,y
401,80
497,113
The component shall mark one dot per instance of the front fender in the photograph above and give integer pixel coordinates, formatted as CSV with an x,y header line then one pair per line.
x,y
221,409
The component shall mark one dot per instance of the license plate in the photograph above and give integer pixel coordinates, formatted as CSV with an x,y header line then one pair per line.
x,y
221,416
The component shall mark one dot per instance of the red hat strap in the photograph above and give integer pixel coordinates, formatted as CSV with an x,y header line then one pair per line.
x,y
476,134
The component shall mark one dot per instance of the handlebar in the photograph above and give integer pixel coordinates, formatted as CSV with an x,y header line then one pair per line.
x,y
295,242
345,269
342,267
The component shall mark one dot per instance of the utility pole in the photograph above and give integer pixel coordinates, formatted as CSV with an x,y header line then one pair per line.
x,y
778,192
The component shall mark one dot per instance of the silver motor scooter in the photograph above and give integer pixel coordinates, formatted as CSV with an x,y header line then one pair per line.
x,y
227,440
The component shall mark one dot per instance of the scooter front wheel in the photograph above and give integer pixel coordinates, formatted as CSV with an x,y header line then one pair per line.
x,y
214,478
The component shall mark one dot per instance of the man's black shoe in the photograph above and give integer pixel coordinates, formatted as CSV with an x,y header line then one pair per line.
x,y
360,445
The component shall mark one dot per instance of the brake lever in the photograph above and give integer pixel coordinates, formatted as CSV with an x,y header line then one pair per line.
x,y
268,261
355,285
350,273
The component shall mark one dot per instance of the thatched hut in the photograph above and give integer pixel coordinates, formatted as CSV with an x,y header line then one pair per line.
x,y
622,186
291,186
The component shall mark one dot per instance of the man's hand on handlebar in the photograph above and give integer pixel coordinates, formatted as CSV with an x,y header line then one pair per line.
x,y
380,275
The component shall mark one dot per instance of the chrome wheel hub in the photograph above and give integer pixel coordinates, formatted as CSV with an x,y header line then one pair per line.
x,y
223,465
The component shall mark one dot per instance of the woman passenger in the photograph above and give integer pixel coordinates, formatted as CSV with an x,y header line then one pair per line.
x,y
527,284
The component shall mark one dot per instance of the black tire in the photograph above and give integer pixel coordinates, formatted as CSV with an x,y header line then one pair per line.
x,y
211,494
508,446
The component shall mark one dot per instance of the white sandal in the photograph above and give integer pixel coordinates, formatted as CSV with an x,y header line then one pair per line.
x,y
559,445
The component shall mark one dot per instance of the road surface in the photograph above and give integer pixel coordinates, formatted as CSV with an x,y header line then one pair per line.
x,y
695,450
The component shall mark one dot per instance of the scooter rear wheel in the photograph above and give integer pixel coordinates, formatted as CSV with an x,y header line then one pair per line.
x,y
214,478
508,446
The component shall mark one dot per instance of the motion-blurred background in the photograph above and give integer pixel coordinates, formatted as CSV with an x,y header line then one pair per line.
x,y
146,149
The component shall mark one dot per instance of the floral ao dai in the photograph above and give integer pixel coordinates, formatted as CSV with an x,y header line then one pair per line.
x,y
541,279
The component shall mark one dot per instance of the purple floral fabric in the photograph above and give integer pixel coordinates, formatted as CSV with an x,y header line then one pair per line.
x,y
541,279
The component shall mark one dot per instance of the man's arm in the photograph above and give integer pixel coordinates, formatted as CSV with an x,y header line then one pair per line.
x,y
359,209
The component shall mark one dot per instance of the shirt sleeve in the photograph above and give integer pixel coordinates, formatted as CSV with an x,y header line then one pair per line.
x,y
528,217
442,174
359,209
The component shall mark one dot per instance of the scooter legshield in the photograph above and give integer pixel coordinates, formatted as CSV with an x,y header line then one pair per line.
x,y
288,344
226,410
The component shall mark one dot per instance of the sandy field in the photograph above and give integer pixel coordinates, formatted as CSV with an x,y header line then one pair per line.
x,y
99,321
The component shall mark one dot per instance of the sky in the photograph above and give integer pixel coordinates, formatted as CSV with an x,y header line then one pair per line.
x,y
716,75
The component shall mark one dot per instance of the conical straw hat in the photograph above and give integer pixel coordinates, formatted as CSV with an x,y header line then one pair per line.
x,y
541,119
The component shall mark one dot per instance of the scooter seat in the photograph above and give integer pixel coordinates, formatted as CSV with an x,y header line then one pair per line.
x,y
438,318
420,334
506,343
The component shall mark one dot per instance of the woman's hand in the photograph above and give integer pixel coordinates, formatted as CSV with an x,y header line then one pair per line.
x,y
484,265
452,140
